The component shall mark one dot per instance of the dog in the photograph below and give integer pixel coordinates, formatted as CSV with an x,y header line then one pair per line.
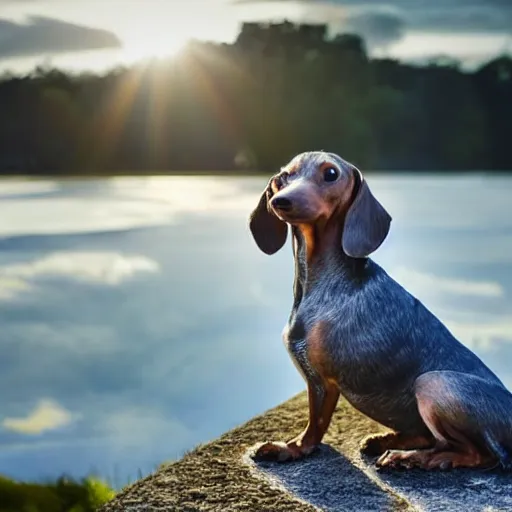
x,y
355,331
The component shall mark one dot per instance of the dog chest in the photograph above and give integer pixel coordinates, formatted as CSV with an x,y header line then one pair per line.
x,y
305,344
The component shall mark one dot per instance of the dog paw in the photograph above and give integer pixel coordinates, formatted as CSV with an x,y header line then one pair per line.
x,y
276,452
421,459
391,459
272,452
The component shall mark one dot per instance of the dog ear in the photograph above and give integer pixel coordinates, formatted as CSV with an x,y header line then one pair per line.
x,y
367,223
268,231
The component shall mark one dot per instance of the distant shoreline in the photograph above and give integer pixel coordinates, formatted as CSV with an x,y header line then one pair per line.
x,y
238,174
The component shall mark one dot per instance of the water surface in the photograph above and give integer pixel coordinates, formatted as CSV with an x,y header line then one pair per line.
x,y
139,319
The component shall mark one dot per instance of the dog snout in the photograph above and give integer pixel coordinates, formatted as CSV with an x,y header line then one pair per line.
x,y
282,203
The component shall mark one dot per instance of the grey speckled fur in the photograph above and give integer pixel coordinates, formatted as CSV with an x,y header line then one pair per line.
x,y
385,346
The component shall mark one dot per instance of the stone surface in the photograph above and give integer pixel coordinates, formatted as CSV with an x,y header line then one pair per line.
x,y
221,476
329,481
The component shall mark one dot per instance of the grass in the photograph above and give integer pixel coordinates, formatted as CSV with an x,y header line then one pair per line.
x,y
64,495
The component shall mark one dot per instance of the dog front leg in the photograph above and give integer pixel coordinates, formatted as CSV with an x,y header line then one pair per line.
x,y
322,400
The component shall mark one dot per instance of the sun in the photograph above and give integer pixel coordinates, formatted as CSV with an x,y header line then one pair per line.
x,y
140,48
161,28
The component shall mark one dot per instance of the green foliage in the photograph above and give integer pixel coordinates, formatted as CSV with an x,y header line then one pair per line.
x,y
65,495
278,90
98,492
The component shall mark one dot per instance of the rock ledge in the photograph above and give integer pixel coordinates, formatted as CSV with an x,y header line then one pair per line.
x,y
221,476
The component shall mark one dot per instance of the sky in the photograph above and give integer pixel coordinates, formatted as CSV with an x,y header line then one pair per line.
x,y
98,34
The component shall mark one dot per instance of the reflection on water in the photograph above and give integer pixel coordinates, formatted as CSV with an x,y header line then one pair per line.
x,y
139,318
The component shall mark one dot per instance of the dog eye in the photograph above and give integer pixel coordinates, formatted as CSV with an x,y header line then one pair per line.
x,y
279,181
331,174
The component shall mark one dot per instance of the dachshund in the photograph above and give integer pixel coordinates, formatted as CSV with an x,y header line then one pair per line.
x,y
355,331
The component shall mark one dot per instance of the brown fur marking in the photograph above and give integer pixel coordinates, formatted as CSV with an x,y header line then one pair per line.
x,y
317,355
308,233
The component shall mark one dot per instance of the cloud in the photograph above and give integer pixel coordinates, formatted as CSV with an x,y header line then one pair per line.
x,y
101,267
39,35
108,268
462,17
419,281
47,415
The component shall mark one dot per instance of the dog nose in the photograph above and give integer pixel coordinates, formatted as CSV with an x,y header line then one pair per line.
x,y
281,203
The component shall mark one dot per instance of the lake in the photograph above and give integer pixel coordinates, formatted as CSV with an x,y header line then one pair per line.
x,y
139,318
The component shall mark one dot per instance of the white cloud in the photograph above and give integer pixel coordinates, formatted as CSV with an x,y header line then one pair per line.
x,y
47,415
421,281
101,267
108,268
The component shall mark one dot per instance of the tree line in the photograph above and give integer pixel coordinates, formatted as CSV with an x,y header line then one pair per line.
x,y
278,90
